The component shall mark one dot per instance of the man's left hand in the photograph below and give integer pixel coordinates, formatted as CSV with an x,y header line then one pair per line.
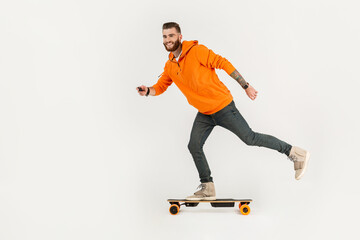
x,y
251,92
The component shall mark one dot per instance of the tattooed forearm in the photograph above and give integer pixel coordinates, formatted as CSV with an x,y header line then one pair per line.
x,y
237,76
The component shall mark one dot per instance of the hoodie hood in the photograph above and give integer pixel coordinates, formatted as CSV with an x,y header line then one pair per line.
x,y
186,46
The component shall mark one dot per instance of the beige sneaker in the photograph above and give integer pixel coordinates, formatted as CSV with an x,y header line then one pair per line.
x,y
300,157
206,192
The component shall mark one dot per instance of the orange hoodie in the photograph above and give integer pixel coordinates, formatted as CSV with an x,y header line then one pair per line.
x,y
194,74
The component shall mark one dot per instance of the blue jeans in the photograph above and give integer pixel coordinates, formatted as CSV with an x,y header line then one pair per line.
x,y
231,119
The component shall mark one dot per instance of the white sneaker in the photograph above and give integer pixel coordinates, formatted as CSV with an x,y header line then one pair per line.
x,y
206,192
300,157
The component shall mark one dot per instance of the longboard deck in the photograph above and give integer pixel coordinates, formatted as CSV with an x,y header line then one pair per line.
x,y
219,200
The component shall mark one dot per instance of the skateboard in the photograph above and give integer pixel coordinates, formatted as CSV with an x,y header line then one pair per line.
x,y
228,202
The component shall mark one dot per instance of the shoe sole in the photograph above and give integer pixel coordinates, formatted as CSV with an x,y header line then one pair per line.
x,y
305,165
210,198
199,199
193,199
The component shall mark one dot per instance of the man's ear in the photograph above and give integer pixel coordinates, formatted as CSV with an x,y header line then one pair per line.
x,y
180,37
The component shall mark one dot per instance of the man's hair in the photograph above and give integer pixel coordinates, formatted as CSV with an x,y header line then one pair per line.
x,y
172,25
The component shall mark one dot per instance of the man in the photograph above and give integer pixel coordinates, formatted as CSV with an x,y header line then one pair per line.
x,y
192,68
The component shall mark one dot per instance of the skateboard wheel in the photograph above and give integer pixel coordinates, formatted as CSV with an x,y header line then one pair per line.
x,y
244,209
174,209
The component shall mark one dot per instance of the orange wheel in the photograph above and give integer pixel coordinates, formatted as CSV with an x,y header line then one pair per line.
x,y
174,209
244,209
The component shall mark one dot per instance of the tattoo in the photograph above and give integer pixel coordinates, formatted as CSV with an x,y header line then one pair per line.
x,y
237,76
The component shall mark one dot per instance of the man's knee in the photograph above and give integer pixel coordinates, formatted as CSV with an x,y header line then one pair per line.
x,y
193,147
249,139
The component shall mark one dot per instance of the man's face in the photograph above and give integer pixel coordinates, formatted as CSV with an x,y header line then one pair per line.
x,y
171,39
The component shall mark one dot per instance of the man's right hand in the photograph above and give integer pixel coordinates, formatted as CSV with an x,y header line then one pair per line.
x,y
142,90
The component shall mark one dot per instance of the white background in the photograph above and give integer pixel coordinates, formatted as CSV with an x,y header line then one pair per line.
x,y
83,156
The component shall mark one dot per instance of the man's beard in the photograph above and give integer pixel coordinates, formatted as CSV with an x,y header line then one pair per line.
x,y
175,46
